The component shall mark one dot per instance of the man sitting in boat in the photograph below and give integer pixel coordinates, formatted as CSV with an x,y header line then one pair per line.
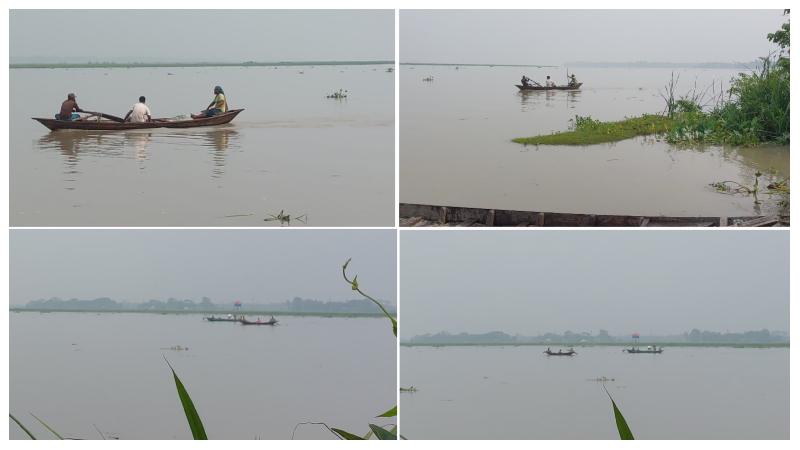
x,y
139,113
526,81
216,107
549,82
68,107
572,80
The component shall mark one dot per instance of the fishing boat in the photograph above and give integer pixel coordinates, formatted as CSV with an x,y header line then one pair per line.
x,y
101,121
271,321
560,353
636,350
413,215
548,88
219,319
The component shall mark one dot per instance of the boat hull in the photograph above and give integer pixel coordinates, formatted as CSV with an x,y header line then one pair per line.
x,y
641,351
217,319
548,88
414,215
109,125
548,353
271,322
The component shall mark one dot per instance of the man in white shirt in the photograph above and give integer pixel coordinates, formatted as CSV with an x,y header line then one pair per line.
x,y
549,82
139,113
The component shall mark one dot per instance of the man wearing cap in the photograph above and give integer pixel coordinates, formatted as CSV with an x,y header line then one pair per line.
x,y
68,107
139,113
215,108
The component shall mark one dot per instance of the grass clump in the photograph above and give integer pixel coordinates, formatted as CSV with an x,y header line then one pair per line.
x,y
585,131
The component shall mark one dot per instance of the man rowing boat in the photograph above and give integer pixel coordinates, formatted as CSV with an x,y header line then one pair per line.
x,y
68,107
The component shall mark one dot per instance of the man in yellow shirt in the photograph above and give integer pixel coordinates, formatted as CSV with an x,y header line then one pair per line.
x,y
215,108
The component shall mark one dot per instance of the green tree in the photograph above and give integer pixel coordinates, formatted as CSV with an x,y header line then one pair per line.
x,y
781,37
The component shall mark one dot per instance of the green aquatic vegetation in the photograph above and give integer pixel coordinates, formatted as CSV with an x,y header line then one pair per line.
x,y
586,131
428,79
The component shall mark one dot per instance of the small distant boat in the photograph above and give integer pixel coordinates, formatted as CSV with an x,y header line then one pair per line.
x,y
560,353
636,350
271,321
219,319
548,88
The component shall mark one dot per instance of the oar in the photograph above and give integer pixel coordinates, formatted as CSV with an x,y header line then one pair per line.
x,y
106,116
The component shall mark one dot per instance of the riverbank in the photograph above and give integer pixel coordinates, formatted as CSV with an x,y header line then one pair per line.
x,y
601,344
112,65
205,313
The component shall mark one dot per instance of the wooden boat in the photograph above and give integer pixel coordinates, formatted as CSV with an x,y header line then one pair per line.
x,y
272,321
219,319
413,215
636,350
100,122
548,88
569,353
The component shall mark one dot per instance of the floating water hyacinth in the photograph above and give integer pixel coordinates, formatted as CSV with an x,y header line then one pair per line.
x,y
428,79
340,94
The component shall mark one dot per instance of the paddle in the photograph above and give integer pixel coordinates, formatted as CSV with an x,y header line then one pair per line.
x,y
106,116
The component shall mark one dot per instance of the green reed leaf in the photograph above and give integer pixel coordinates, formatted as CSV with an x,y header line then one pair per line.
x,y
196,425
47,426
382,433
346,435
622,425
390,413
21,426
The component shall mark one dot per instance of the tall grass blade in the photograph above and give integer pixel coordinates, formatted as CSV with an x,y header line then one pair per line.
x,y
47,426
622,425
382,433
21,426
390,413
346,435
198,432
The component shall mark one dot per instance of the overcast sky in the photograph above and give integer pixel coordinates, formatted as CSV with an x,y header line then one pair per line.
x,y
552,37
224,265
659,282
204,35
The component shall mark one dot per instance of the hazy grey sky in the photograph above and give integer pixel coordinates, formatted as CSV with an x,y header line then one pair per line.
x,y
526,282
204,35
224,265
552,37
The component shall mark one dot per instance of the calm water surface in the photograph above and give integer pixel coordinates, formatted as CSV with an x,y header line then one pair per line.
x,y
456,149
291,149
520,393
74,370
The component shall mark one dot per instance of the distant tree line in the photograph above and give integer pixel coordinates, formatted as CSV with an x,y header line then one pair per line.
x,y
663,65
295,305
695,336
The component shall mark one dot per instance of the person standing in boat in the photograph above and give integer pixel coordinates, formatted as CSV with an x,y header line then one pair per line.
x,y
572,80
549,82
216,107
68,107
139,112
259,320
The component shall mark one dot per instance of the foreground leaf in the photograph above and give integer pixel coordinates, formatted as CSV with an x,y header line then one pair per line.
x,y
46,426
382,433
346,435
21,426
390,413
622,425
198,432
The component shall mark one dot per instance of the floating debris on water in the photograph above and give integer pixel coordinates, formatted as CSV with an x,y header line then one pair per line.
x,y
339,94
409,389
286,218
428,79
601,379
176,347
